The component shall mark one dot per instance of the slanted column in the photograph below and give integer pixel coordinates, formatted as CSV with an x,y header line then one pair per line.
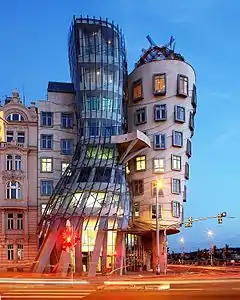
x,y
78,249
120,250
104,253
154,251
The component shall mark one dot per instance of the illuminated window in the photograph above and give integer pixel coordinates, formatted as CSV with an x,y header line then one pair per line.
x,y
64,166
186,171
179,114
160,141
159,84
10,252
15,117
154,211
137,187
43,207
189,148
160,112
176,209
46,164
96,200
177,138
10,221
176,163
136,209
140,163
127,169
92,152
107,104
137,90
13,190
106,153
20,221
182,85
158,165
141,116
20,252
176,186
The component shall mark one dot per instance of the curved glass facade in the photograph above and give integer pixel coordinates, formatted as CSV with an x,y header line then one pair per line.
x,y
94,185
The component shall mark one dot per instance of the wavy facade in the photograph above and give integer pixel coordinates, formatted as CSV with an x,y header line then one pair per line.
x,y
94,185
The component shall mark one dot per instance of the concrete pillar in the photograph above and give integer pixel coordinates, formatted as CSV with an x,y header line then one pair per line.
x,y
154,254
120,259
78,249
104,253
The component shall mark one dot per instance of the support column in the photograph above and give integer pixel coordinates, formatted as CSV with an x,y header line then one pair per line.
x,y
104,254
78,250
154,252
120,249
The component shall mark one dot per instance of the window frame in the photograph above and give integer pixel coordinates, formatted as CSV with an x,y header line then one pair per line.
x,y
21,135
137,111
179,120
20,252
194,97
9,162
9,134
173,160
177,213
159,211
136,209
160,135
164,165
139,184
46,163
174,134
185,193
157,109
9,188
191,122
47,118
68,116
177,183
179,92
41,187
154,189
9,118
10,221
189,148
134,84
20,223
41,141
67,142
187,171
10,252
64,169
159,92
144,160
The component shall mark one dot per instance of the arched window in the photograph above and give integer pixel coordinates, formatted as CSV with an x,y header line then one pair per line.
x,y
13,190
16,117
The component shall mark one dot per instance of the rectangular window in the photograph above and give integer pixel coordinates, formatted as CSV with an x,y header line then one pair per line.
x,y
137,90
158,165
176,163
191,122
154,211
176,209
46,141
136,209
46,118
182,85
107,104
179,113
46,187
21,137
141,116
93,127
189,148
186,171
67,120
10,252
177,138
194,97
185,194
18,162
20,221
102,174
84,174
160,112
159,84
64,166
46,164
154,189
140,163
9,162
176,186
10,221
67,147
92,103
20,252
43,207
159,141
9,136
137,187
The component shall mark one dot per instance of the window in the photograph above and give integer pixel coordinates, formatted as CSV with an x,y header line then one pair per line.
x,y
15,117
159,84
176,163
176,186
160,112
159,141
154,211
46,118
46,187
9,136
191,121
93,127
9,164
194,97
20,221
64,166
137,90
102,174
182,85
140,163
176,209
177,138
66,147
10,221
186,175
47,141
21,137
158,165
127,168
140,116
136,209
137,187
20,252
185,194
18,162
13,190
154,189
43,207
46,164
10,251
179,114
189,148
66,120
84,174
92,103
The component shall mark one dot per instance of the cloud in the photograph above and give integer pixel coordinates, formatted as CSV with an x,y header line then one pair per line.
x,y
227,136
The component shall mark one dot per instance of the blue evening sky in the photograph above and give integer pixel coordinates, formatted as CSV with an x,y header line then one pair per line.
x,y
33,51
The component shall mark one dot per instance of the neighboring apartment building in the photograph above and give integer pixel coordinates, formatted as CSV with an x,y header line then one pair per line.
x,y
18,197
56,138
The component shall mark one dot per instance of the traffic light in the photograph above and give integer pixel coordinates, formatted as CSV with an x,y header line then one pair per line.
x,y
221,216
190,220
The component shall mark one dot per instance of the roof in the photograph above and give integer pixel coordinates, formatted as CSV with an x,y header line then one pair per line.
x,y
60,87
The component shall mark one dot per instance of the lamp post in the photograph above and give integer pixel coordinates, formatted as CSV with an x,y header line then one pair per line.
x,y
210,235
182,247
159,186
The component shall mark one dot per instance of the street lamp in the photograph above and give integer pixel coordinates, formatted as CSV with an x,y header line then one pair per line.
x,y
182,247
159,186
210,235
